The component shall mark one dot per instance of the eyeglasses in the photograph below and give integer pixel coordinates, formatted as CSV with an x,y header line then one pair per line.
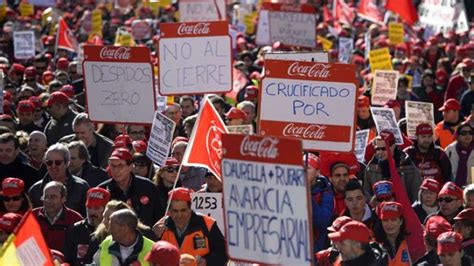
x,y
380,148
448,200
465,133
55,162
171,169
15,198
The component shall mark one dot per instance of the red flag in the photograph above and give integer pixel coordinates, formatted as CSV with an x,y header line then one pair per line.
x,y
327,15
205,145
404,8
415,239
343,12
369,10
65,38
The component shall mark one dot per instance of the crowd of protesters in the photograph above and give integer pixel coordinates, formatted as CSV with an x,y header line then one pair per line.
x,y
99,199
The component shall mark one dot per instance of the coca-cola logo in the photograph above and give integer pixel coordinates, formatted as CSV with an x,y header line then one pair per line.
x,y
117,53
306,131
11,185
264,148
96,195
391,207
196,29
214,146
315,70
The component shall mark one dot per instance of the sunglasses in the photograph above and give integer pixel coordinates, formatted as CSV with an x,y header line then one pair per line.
x,y
448,200
55,162
171,169
465,133
15,198
380,148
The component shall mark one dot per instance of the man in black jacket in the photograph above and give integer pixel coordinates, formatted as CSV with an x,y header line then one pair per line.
x,y
79,234
62,116
80,165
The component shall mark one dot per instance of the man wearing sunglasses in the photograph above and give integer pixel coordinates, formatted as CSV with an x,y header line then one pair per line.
x,y
450,200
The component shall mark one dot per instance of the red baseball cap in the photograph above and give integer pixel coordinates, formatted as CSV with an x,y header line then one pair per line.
x,y
251,92
235,113
436,225
121,154
97,197
431,185
171,161
353,230
451,189
451,104
36,101
30,72
9,221
441,76
449,242
181,194
12,186
68,90
163,253
392,104
122,140
465,215
139,146
62,63
363,101
57,97
424,129
388,136
25,106
390,210
339,222
18,68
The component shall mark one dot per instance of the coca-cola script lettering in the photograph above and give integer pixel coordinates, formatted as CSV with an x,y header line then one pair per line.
x,y
117,53
265,148
196,29
312,71
305,132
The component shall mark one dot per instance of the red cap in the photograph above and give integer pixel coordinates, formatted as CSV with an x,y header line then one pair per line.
x,y
388,136
25,106
451,189
441,77
139,146
57,255
328,160
97,197
36,101
57,97
251,92
431,185
449,242
121,154
392,104
235,113
313,160
436,225
390,210
122,140
181,194
353,230
12,186
179,139
465,215
47,76
62,63
451,104
9,221
163,253
339,222
171,161
363,101
383,189
30,72
358,60
18,68
68,90
424,129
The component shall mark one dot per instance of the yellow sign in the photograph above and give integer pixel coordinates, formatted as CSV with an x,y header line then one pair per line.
x,y
3,11
327,44
26,10
395,33
169,100
124,38
410,81
380,59
96,22
249,20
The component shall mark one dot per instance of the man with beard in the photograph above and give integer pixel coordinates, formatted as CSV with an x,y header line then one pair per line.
x,y
430,159
78,235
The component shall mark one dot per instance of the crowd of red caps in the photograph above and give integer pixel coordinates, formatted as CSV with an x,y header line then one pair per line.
x,y
440,68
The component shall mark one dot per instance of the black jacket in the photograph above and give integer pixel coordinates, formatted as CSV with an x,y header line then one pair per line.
x,y
420,212
99,153
93,175
77,243
20,170
141,196
374,256
76,193
56,129
430,258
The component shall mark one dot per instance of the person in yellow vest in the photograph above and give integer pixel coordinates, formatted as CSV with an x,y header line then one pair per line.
x,y
193,233
393,235
125,245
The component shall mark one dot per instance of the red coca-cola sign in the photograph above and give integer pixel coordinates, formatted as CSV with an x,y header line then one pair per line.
x,y
309,70
305,131
194,29
264,148
115,53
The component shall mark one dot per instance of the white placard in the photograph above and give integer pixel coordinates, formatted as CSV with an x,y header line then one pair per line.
x,y
293,28
242,129
321,56
385,120
141,29
209,204
263,29
417,113
161,137
442,17
346,45
201,10
24,44
385,86
361,138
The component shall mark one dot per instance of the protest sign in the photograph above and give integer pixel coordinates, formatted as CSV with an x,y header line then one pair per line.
x,y
361,139
315,56
209,204
24,44
417,113
242,129
384,86
201,10
345,49
42,2
161,136
195,58
385,120
395,33
141,29
311,98
263,28
119,84
266,205
380,59
96,17
249,20
442,17
327,44
292,25
26,9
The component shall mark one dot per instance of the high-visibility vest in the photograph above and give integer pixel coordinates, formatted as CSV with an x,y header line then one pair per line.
x,y
106,257
195,243
402,257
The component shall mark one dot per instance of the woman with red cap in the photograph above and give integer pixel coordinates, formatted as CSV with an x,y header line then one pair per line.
x,y
450,250
427,202
393,235
164,180
14,198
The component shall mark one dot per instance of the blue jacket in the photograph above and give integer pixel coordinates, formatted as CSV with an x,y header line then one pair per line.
x,y
322,204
